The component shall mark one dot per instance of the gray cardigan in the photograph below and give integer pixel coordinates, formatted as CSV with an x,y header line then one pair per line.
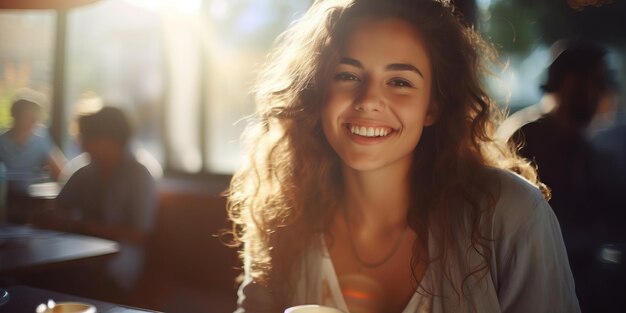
x,y
529,269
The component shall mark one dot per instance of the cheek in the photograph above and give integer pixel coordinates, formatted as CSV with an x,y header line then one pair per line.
x,y
327,123
414,112
414,120
329,114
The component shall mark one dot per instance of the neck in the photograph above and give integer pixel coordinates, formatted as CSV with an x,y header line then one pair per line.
x,y
109,165
20,135
377,198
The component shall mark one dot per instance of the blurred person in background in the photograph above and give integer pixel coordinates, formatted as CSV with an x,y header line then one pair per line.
x,y
90,102
114,190
609,272
585,106
26,150
30,158
555,135
113,196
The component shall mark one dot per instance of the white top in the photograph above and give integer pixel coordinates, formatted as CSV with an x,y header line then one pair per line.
x,y
332,295
528,268
25,162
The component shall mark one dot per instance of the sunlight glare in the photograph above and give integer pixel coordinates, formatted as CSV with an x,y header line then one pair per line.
x,y
219,9
182,6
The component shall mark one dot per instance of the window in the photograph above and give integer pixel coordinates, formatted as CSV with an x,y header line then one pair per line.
x,y
115,55
26,57
183,70
237,36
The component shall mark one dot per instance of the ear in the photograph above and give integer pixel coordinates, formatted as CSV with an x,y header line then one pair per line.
x,y
432,115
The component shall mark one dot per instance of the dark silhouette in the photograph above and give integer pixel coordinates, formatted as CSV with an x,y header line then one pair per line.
x,y
113,197
554,135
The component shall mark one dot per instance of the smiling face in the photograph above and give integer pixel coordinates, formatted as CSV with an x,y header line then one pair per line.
x,y
380,96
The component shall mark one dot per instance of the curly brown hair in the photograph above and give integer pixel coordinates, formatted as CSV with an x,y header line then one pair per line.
x,y
291,185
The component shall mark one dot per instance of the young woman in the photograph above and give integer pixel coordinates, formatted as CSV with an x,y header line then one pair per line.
x,y
373,183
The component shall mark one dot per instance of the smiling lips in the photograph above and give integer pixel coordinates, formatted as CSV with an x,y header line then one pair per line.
x,y
369,131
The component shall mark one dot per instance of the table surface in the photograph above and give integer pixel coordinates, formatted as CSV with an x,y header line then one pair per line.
x,y
26,299
24,247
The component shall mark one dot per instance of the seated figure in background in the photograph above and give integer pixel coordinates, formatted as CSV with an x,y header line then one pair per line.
x,y
30,158
88,103
28,154
114,196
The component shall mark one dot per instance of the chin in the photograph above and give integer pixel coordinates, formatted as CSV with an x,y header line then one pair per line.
x,y
362,165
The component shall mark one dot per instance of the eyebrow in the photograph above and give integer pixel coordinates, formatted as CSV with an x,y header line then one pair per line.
x,y
390,67
404,67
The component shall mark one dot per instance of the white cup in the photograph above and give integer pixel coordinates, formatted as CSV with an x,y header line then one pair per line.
x,y
312,308
70,307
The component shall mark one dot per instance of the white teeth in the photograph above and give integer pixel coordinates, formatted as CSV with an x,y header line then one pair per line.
x,y
369,131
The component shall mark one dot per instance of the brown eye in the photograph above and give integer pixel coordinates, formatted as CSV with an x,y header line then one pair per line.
x,y
402,83
345,76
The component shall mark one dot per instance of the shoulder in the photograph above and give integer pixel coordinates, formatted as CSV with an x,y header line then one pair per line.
x,y
83,173
540,127
39,143
41,136
515,189
136,174
528,266
518,120
5,138
79,181
136,169
517,201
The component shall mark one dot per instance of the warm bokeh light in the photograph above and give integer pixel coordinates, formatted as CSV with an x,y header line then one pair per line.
x,y
362,293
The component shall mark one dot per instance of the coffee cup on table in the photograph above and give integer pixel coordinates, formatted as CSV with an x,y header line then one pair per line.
x,y
312,308
66,307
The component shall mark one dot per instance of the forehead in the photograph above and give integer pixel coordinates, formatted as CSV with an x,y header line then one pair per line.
x,y
27,110
385,39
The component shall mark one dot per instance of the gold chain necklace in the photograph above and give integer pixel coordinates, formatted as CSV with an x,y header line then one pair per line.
x,y
382,261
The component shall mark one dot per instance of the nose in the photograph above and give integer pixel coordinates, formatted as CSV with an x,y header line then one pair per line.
x,y
370,98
